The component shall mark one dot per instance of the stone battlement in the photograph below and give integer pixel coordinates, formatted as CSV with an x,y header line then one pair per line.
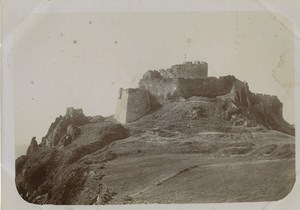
x,y
258,98
265,95
187,70
71,112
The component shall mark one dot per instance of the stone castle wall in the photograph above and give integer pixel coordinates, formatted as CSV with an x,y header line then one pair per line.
x,y
121,110
187,70
138,104
239,93
208,87
190,79
161,89
165,89
268,111
267,103
132,104
71,112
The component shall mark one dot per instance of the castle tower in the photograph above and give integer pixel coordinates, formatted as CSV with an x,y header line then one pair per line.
x,y
132,104
71,112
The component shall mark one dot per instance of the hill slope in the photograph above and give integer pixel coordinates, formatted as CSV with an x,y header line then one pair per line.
x,y
187,151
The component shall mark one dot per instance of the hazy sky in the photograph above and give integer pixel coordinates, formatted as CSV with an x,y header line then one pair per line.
x,y
82,59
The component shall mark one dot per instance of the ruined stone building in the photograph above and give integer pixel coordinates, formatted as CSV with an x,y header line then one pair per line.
x,y
135,103
132,104
189,79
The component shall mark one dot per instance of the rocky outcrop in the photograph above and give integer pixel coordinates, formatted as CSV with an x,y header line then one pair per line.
x,y
55,174
72,133
35,171
58,130
20,161
32,147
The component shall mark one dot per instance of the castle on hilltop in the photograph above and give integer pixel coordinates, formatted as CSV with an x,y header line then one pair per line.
x,y
134,103
180,81
183,81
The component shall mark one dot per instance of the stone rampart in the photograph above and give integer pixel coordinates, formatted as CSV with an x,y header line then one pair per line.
x,y
208,87
132,104
267,103
71,112
190,79
165,89
162,89
239,93
121,110
187,70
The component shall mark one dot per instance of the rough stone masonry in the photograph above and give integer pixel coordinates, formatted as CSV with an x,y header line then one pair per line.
x,y
191,79
135,103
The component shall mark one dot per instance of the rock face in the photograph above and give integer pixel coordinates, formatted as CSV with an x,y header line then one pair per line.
x,y
32,147
72,133
183,134
53,174
57,131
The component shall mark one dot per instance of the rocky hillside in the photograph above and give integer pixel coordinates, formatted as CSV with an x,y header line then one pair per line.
x,y
186,138
191,150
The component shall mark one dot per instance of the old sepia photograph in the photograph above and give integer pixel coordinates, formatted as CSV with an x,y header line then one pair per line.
x,y
154,108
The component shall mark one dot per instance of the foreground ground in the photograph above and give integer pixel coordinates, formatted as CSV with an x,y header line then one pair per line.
x,y
201,169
